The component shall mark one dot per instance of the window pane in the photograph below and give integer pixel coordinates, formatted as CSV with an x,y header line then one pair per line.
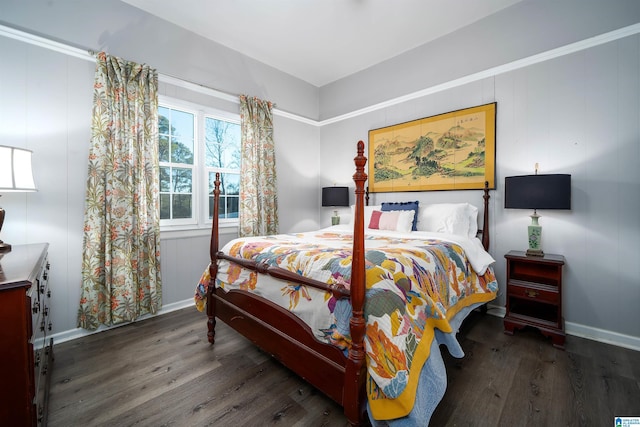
x,y
163,148
165,203
221,206
182,124
222,144
165,180
230,184
182,181
164,121
229,195
182,150
232,207
182,206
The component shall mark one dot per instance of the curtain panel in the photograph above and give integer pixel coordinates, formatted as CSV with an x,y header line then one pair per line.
x,y
258,190
121,277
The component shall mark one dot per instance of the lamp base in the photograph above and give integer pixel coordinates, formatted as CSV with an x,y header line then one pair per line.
x,y
535,252
535,237
4,247
335,219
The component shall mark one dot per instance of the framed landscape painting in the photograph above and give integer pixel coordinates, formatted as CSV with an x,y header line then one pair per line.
x,y
451,151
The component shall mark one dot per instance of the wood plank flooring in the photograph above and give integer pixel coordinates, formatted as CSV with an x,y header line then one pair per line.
x,y
162,372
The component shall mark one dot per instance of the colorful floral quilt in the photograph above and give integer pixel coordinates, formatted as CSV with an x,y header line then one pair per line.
x,y
415,283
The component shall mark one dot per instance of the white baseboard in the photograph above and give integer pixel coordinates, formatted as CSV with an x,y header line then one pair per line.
x,y
601,335
588,332
72,334
571,328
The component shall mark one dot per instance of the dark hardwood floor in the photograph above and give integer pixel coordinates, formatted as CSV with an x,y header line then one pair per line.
x,y
162,372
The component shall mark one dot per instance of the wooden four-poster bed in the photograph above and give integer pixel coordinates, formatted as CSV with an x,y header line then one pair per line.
x,y
339,372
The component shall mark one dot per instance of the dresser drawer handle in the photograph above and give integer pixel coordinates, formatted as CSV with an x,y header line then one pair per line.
x,y
531,294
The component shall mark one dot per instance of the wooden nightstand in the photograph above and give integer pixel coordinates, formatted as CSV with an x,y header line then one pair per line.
x,y
534,295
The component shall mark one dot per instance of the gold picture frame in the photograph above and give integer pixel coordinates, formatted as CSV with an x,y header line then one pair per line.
x,y
450,151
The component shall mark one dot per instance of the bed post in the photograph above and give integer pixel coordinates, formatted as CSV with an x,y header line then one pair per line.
x,y
355,398
485,220
213,265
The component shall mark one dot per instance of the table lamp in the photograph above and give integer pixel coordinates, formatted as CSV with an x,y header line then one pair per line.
x,y
335,196
16,176
537,192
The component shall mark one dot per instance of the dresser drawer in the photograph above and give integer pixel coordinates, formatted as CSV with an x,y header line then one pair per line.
x,y
533,291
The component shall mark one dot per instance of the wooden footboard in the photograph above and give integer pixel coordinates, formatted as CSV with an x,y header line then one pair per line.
x,y
286,337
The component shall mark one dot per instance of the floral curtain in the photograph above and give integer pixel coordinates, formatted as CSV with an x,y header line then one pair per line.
x,y
258,192
121,247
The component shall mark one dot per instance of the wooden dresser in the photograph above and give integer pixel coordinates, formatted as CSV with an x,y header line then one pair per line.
x,y
25,354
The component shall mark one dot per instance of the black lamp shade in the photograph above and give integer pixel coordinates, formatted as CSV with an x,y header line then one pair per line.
x,y
537,192
335,196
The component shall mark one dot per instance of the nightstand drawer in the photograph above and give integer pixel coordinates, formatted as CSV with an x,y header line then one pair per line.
x,y
533,291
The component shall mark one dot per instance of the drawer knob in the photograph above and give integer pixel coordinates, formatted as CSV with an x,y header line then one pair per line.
x,y
531,293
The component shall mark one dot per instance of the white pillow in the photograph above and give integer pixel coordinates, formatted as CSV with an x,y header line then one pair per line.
x,y
472,212
450,218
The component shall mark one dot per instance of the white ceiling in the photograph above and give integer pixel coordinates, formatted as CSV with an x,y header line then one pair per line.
x,y
320,41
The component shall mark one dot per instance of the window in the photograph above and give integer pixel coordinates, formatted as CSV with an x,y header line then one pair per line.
x,y
222,145
195,142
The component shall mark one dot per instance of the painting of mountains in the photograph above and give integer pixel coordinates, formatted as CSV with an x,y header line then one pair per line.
x,y
451,151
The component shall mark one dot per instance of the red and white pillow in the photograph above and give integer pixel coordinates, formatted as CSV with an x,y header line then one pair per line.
x,y
392,220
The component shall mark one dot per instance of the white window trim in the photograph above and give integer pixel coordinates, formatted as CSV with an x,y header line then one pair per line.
x,y
200,224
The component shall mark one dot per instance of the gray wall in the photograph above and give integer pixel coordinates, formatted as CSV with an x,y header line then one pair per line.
x,y
576,112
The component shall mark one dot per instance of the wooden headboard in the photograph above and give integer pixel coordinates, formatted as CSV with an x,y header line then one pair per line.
x,y
484,231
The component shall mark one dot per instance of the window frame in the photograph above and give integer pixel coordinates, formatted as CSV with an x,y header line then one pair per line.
x,y
200,177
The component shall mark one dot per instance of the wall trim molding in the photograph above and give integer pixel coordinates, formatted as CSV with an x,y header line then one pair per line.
x,y
490,72
494,71
164,78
